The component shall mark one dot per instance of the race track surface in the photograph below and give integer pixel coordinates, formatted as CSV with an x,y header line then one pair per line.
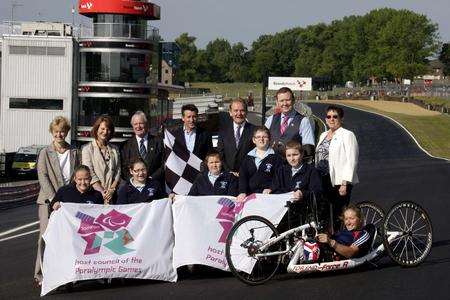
x,y
392,168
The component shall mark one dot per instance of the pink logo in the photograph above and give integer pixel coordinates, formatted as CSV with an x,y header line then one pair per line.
x,y
228,214
104,230
113,220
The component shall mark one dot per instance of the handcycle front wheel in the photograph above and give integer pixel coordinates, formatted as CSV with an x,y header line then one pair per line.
x,y
414,234
243,244
372,213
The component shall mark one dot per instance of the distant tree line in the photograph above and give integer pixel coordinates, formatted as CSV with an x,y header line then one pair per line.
x,y
384,43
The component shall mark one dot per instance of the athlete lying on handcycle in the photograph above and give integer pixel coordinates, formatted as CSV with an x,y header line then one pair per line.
x,y
353,239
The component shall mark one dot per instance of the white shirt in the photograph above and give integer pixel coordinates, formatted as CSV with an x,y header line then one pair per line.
x,y
295,170
145,138
257,159
64,164
190,139
212,178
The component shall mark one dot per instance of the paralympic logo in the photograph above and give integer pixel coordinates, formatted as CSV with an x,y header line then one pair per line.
x,y
108,230
229,213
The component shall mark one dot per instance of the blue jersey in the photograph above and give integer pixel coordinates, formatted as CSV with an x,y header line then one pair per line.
x,y
352,237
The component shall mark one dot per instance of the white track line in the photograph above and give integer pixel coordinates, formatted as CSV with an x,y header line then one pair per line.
x,y
19,235
18,228
395,121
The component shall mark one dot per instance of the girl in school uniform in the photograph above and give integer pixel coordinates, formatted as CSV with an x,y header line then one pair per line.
x,y
258,168
140,188
214,181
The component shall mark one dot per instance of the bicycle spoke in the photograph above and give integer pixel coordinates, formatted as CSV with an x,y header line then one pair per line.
x,y
401,229
398,223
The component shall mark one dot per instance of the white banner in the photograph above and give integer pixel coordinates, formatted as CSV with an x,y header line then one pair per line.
x,y
88,241
294,83
202,224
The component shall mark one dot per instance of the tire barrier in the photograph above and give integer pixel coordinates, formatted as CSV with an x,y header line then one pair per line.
x,y
14,194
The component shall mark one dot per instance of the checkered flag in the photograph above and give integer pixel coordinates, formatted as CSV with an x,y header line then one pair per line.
x,y
182,166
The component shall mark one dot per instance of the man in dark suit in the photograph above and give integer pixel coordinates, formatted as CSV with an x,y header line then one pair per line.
x,y
235,138
195,139
144,145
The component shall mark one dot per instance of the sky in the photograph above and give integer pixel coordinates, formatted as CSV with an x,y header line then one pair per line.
x,y
237,20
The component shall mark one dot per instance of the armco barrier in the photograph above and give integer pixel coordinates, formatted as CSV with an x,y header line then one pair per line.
x,y
15,194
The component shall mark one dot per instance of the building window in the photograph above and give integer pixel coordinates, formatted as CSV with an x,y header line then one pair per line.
x,y
17,50
27,103
167,71
33,50
58,51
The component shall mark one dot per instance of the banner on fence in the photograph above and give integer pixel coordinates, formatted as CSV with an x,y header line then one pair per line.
x,y
202,224
87,241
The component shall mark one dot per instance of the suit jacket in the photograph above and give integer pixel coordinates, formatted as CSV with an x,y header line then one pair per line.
x,y
154,157
203,141
49,171
232,156
105,172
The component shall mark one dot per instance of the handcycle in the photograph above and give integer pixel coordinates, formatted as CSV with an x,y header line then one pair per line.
x,y
255,249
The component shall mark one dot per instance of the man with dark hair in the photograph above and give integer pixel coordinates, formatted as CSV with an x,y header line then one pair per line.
x,y
290,124
238,131
195,139
145,146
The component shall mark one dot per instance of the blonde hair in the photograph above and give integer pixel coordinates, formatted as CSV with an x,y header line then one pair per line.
x,y
59,121
356,210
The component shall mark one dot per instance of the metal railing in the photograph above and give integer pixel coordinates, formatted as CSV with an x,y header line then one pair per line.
x,y
120,30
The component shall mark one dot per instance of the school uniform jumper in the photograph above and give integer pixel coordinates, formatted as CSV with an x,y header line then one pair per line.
x,y
70,193
129,194
225,185
253,178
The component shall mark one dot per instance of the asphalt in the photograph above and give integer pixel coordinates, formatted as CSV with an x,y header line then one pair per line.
x,y
392,168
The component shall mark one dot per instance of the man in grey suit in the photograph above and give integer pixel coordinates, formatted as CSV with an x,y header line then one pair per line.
x,y
235,138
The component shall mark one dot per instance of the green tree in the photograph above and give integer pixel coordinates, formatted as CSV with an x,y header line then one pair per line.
x,y
188,69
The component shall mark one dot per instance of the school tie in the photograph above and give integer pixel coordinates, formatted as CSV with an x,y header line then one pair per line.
x,y
237,135
142,150
284,125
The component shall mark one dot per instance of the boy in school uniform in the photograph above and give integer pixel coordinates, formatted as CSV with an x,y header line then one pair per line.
x,y
300,178
258,168
214,181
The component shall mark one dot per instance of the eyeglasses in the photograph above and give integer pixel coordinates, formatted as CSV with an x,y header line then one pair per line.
x,y
332,116
261,137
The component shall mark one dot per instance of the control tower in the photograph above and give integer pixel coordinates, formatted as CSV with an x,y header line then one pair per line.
x,y
119,65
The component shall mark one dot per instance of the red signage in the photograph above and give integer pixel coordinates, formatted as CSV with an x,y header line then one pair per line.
x,y
142,9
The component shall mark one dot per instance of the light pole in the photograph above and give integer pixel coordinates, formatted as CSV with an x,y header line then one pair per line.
x,y
14,4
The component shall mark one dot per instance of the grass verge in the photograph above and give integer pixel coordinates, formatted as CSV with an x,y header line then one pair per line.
x,y
432,132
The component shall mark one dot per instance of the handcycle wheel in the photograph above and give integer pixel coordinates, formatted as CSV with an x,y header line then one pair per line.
x,y
244,242
415,234
372,213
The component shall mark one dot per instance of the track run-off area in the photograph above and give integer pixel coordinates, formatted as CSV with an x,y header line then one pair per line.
x,y
392,168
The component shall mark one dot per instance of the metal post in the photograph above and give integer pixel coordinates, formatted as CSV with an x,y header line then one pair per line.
x,y
263,99
13,6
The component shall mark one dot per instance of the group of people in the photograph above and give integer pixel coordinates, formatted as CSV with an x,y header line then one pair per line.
x,y
248,159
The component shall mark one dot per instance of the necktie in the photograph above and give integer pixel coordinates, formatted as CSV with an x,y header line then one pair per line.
x,y
237,135
284,125
142,150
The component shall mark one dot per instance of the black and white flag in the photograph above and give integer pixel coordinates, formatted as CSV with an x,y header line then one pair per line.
x,y
182,166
